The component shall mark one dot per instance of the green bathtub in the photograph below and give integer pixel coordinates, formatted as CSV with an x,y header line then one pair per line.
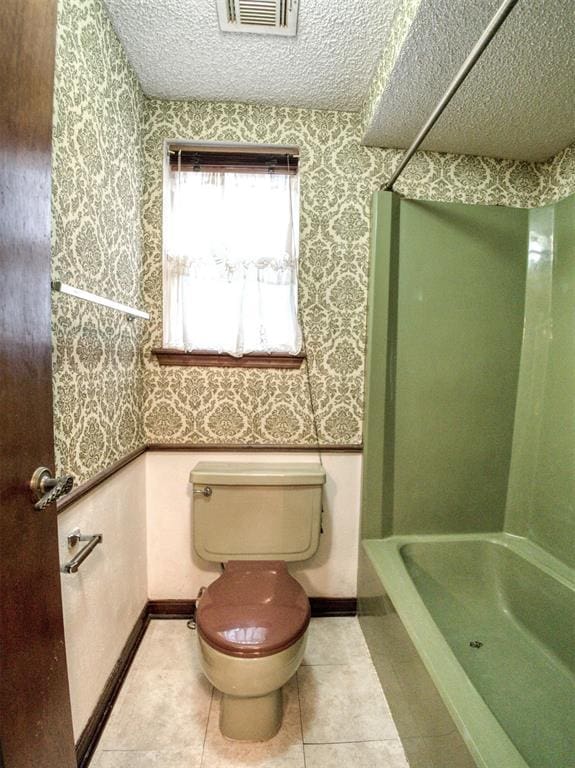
x,y
492,617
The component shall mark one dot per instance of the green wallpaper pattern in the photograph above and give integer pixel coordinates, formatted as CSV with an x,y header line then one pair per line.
x,y
110,394
338,176
97,243
272,406
558,176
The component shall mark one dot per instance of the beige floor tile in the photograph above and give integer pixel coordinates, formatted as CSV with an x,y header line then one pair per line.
x,y
362,754
343,703
168,644
161,717
335,641
285,750
169,758
159,709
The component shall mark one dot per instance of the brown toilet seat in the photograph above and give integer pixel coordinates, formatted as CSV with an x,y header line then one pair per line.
x,y
255,608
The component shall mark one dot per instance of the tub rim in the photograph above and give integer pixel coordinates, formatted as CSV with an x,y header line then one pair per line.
x,y
484,736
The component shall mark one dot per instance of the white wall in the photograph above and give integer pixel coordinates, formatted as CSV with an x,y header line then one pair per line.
x,y
176,572
103,600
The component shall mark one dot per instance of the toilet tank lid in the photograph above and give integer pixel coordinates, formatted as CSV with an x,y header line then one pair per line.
x,y
257,473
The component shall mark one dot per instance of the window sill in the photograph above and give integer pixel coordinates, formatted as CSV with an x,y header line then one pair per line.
x,y
215,360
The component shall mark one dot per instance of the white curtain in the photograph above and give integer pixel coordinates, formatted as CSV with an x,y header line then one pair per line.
x,y
230,250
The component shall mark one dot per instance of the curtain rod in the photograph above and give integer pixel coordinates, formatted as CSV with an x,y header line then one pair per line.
x,y
188,159
241,148
489,33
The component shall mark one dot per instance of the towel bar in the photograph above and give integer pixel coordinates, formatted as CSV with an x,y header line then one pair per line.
x,y
132,312
93,540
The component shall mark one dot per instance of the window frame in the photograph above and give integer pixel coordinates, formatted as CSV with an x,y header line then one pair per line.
x,y
179,357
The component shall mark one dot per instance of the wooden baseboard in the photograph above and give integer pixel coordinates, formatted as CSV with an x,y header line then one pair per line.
x,y
171,609
88,740
168,609
320,606
333,606
256,447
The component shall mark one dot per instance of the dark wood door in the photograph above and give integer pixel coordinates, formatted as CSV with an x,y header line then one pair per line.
x,y
35,717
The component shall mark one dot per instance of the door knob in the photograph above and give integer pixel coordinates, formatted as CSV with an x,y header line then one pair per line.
x,y
47,489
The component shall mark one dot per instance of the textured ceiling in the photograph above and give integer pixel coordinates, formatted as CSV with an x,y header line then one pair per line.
x,y
178,52
518,102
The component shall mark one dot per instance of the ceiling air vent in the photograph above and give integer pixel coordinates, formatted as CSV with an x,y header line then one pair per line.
x,y
262,17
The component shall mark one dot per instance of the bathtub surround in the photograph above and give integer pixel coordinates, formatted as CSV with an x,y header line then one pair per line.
x,y
541,482
476,435
447,319
477,432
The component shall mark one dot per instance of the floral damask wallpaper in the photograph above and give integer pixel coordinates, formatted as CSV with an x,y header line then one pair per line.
x,y
558,176
110,393
96,243
211,405
338,177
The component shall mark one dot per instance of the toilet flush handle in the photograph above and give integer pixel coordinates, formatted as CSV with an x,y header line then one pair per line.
x,y
207,492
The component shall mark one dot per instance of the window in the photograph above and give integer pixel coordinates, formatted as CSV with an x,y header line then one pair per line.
x,y
231,250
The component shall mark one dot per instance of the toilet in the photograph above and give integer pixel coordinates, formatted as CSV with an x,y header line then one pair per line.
x,y
252,621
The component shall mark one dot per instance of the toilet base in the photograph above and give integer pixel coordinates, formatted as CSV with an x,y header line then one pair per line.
x,y
251,718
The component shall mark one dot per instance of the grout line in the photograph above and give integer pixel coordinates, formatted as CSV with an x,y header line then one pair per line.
x,y
358,741
300,718
207,725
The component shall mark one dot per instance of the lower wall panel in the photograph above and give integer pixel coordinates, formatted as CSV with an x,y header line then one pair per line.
x,y
175,571
144,512
103,600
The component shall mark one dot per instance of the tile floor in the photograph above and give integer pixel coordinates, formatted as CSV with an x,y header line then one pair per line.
x,y
335,712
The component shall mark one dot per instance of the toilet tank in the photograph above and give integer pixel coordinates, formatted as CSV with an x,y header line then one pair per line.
x,y
256,511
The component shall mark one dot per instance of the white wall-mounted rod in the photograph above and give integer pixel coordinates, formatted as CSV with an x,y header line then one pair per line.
x,y
490,31
87,296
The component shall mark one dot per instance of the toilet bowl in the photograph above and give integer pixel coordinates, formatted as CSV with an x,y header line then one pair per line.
x,y
252,620
252,627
